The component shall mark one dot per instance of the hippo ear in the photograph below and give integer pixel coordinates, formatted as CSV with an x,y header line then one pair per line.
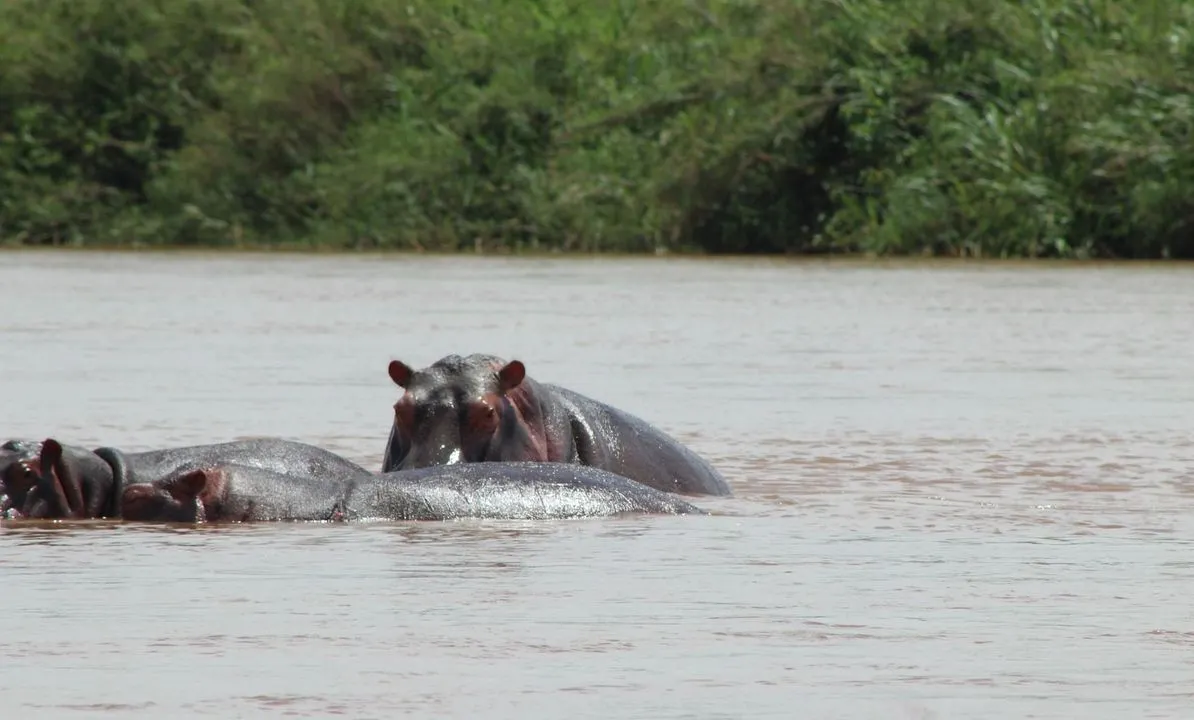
x,y
188,486
52,463
511,375
48,482
51,452
400,373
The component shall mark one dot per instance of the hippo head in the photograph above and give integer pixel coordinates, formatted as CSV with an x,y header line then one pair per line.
x,y
20,469
178,498
42,485
48,480
462,409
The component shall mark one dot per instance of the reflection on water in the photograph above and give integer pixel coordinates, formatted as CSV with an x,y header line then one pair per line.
x,y
961,491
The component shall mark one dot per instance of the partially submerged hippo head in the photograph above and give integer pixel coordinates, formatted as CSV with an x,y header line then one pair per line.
x,y
42,485
20,468
47,480
462,409
178,498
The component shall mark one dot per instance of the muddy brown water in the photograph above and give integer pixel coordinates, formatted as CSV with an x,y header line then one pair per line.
x,y
962,491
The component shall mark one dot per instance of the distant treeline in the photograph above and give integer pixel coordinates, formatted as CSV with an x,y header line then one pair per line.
x,y
944,127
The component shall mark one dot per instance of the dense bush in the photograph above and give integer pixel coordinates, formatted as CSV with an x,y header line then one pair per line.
x,y
974,127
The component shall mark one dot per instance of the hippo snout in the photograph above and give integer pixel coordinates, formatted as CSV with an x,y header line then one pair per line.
x,y
439,455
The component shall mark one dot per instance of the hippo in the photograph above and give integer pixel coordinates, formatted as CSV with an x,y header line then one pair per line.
x,y
493,491
483,408
103,474
21,467
229,492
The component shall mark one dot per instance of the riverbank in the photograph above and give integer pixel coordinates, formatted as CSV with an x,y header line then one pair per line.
x,y
619,261
975,128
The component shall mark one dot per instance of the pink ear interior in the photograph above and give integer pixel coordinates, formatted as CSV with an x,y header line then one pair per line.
x,y
400,373
51,451
511,375
185,488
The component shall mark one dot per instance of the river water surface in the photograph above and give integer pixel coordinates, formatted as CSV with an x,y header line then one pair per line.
x,y
961,491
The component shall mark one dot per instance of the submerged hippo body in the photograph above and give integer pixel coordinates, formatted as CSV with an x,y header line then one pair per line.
x,y
482,408
94,480
505,491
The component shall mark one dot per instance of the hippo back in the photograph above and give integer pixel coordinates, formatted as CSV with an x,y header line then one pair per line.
x,y
276,455
510,490
620,442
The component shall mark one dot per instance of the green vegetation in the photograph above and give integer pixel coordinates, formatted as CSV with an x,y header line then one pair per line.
x,y
950,127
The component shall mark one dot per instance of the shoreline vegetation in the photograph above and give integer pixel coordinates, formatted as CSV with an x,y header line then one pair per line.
x,y
968,128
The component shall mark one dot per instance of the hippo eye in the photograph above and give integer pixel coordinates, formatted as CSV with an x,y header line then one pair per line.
x,y
482,416
19,477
